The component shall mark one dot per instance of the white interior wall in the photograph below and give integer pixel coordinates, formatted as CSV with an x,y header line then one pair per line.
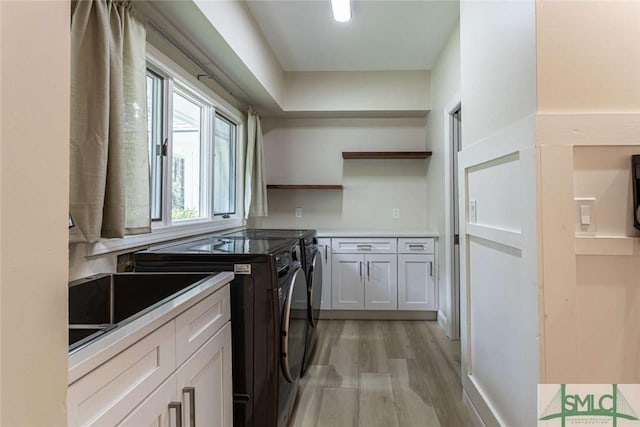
x,y
445,91
34,188
308,151
358,91
587,128
499,253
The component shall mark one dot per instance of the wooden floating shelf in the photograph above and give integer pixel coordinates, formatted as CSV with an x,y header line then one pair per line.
x,y
304,187
386,154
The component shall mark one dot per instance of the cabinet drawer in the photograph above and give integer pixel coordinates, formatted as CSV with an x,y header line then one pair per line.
x,y
106,394
416,246
196,325
364,246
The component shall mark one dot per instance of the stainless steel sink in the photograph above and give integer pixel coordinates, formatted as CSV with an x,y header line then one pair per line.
x,y
101,303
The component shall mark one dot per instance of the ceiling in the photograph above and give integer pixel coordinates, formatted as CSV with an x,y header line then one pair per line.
x,y
383,35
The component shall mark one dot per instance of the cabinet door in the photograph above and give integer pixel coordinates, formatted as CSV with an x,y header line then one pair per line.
x,y
115,388
381,285
154,411
347,290
416,284
204,383
325,250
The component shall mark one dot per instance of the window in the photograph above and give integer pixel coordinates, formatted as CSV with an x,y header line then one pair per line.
x,y
225,167
155,132
192,148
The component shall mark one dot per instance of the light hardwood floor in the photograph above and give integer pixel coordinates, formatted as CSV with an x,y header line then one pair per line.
x,y
382,374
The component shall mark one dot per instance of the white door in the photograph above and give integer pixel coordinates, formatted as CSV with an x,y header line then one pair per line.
x,y
204,383
324,245
155,411
347,285
416,285
381,284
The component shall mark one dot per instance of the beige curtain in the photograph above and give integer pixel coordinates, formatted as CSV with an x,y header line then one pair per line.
x,y
109,177
255,186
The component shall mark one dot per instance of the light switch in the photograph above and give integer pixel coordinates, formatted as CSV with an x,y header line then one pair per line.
x,y
473,211
298,212
585,215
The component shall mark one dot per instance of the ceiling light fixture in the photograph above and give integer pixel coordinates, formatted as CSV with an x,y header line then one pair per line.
x,y
341,10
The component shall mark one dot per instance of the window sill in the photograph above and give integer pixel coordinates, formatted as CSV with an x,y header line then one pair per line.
x,y
161,235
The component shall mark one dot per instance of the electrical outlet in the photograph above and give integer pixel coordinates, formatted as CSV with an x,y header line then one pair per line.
x,y
298,212
473,211
395,213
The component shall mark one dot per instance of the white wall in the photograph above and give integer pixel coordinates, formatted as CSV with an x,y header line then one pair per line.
x,y
34,188
587,128
499,251
308,151
357,91
445,89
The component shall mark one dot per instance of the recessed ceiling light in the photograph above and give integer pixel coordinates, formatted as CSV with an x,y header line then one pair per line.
x,y
341,10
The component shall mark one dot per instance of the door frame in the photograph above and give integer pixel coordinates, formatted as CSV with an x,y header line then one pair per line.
x,y
451,323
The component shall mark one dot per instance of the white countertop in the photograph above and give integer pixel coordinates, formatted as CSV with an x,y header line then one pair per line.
x,y
87,358
375,233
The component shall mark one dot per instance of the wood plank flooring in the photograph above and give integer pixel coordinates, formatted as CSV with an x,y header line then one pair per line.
x,y
373,373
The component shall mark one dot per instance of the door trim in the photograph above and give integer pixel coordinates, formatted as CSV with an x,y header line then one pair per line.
x,y
449,323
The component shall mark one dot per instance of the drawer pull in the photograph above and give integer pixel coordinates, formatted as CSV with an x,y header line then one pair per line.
x,y
431,268
178,408
364,247
416,247
191,391
368,271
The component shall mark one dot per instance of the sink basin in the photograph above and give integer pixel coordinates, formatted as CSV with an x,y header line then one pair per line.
x,y
99,304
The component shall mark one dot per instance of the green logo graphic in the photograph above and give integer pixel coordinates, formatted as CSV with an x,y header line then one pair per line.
x,y
614,406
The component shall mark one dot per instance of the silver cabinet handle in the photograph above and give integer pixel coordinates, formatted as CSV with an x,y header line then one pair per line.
x,y
191,391
178,408
326,254
368,271
431,268
364,247
360,268
416,247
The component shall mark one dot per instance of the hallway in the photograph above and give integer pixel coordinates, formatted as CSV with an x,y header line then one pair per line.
x,y
382,374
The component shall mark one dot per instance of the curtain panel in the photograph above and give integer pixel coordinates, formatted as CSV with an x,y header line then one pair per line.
x,y
109,176
255,185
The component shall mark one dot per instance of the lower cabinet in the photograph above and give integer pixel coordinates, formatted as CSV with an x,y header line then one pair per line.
x,y
155,411
381,274
167,378
324,245
204,383
364,282
416,284
198,394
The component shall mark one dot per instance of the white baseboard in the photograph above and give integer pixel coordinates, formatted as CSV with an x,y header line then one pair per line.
x,y
377,315
475,416
480,403
443,322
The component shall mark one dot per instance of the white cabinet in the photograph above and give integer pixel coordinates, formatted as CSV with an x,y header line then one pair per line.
x,y
155,411
204,383
381,282
416,274
187,357
416,284
324,246
364,282
382,273
347,288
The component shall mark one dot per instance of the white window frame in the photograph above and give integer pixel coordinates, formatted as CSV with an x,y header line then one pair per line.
x,y
166,230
